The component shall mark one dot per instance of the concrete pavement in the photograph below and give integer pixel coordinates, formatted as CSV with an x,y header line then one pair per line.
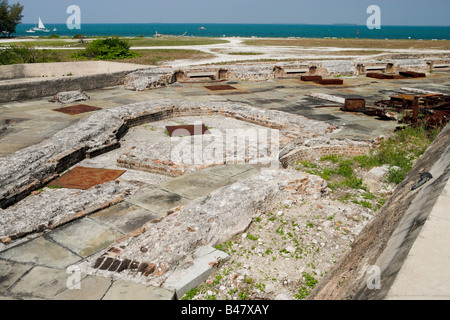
x,y
425,274
37,268
42,268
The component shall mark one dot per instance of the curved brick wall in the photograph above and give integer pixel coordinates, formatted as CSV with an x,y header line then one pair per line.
x,y
317,152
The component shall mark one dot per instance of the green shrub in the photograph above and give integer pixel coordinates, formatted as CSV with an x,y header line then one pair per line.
x,y
26,54
305,290
8,56
106,49
345,168
332,157
400,151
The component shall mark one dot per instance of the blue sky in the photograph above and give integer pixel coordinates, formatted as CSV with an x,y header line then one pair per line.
x,y
394,12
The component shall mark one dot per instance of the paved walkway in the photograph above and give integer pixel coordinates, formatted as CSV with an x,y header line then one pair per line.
x,y
425,273
41,268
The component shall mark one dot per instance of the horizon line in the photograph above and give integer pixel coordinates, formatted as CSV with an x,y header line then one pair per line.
x,y
249,23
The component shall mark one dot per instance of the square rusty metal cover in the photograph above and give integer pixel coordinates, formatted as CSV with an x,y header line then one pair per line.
x,y
78,109
85,178
311,78
383,76
220,87
187,130
331,81
354,104
412,74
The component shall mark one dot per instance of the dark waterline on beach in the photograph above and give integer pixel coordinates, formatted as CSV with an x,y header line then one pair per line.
x,y
243,30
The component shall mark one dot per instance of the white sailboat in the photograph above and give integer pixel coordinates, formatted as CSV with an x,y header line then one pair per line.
x,y
41,26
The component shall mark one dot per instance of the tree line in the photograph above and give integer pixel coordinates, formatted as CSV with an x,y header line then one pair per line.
x,y
10,17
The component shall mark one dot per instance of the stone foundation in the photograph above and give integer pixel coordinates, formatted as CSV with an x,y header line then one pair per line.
x,y
156,252
31,168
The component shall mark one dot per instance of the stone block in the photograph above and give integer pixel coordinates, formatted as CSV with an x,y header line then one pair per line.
x,y
85,237
41,252
122,290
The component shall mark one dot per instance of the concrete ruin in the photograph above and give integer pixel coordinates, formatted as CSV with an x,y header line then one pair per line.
x,y
160,77
170,231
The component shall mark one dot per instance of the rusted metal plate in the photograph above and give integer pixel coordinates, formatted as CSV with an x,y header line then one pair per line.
x,y
355,104
187,130
85,178
330,81
412,74
311,78
409,97
220,87
383,76
78,109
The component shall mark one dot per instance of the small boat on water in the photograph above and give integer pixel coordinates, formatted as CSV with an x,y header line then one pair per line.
x,y
40,27
202,28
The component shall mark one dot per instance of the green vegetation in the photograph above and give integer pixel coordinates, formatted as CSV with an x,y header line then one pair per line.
x,y
146,57
26,54
191,294
400,151
342,176
305,290
49,43
106,49
10,17
158,56
252,237
279,235
374,44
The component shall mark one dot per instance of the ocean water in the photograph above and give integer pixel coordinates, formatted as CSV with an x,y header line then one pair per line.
x,y
245,30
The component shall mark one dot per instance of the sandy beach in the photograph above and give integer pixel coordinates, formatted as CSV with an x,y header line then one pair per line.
x,y
239,49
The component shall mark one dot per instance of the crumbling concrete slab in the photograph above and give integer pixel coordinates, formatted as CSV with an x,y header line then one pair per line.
x,y
89,288
11,272
41,282
244,175
231,170
41,251
50,208
124,217
169,247
70,97
121,290
195,185
85,237
206,262
158,201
